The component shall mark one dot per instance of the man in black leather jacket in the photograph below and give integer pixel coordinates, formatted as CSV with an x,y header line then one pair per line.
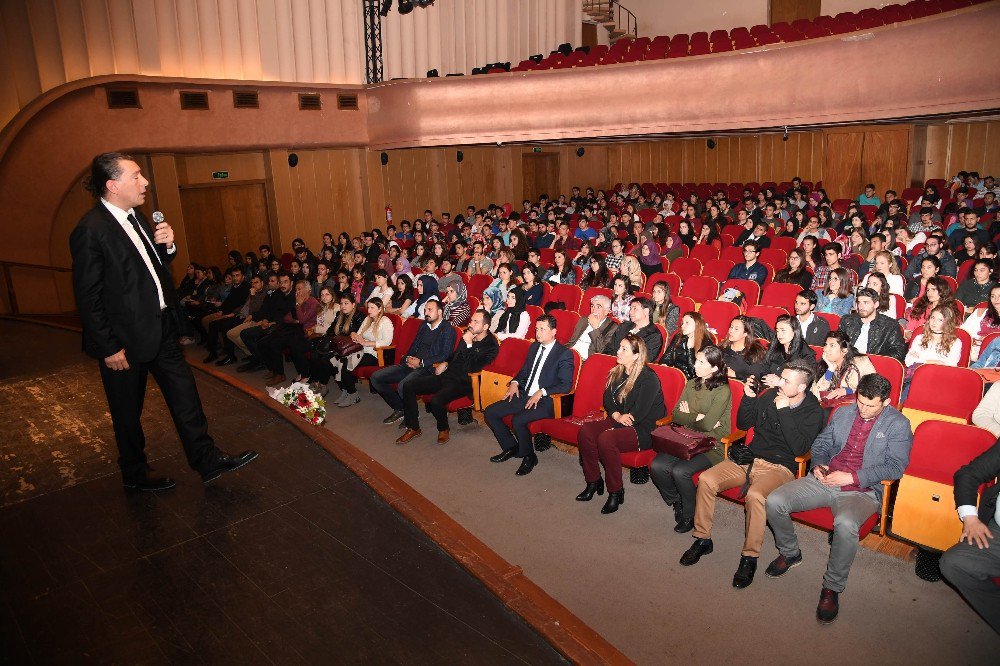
x,y
871,332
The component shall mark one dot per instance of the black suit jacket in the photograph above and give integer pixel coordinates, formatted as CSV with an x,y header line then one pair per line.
x,y
115,292
555,375
969,477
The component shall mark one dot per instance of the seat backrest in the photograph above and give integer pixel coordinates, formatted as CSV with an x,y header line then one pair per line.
x,y
478,284
964,391
672,383
589,396
718,315
832,319
718,268
685,304
733,253
784,243
570,294
704,253
534,312
749,288
685,267
781,294
589,294
892,370
736,387
407,334
768,313
701,288
565,323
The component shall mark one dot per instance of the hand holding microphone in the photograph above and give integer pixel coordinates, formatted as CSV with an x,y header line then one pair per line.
x,y
162,232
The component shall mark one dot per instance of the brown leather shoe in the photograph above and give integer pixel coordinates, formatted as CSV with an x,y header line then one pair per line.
x,y
444,436
829,606
276,380
408,435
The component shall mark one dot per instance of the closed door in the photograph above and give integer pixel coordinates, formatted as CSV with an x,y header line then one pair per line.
x,y
220,219
541,175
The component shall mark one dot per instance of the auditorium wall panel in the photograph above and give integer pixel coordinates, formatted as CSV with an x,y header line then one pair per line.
x,y
965,146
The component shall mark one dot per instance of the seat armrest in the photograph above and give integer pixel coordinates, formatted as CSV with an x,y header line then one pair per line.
x,y
884,515
557,403
802,461
731,438
380,354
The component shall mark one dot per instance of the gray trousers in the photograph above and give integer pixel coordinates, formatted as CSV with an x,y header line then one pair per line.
x,y
850,509
972,570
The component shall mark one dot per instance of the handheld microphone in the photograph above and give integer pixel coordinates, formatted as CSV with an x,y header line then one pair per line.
x,y
157,217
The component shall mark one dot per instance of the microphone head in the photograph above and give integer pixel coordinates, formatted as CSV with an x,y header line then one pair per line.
x,y
157,216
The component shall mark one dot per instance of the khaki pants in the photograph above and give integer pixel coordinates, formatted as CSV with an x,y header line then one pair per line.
x,y
234,335
764,478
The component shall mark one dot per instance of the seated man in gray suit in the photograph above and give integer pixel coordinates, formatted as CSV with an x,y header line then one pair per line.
x,y
592,334
863,444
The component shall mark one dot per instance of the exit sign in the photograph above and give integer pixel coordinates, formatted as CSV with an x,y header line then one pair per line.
x,y
220,175
536,149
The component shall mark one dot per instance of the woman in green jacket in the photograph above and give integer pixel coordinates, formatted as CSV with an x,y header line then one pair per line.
x,y
705,405
633,403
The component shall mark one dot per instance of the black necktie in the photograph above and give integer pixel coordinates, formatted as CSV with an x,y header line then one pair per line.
x,y
153,254
534,369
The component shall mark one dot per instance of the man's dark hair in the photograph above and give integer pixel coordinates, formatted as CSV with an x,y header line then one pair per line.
x,y
487,317
104,167
874,387
548,319
837,247
809,295
869,293
644,303
803,366
283,273
264,247
236,269
751,244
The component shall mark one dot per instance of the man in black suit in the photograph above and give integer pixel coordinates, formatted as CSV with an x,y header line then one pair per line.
x,y
973,563
813,327
547,370
130,316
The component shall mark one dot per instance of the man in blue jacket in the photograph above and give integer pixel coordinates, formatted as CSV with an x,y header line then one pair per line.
x,y
434,343
548,370
864,444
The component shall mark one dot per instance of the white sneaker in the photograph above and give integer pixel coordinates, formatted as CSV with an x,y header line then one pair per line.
x,y
349,399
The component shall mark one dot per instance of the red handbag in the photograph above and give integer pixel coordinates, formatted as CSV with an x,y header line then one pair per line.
x,y
681,442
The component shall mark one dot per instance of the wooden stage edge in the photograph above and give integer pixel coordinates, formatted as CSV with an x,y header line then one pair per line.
x,y
569,635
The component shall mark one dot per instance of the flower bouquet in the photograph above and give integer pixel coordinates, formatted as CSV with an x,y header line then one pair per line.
x,y
300,398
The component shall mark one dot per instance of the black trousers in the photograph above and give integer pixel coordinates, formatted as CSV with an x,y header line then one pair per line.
x,y
520,438
672,477
126,393
219,328
348,381
271,348
444,389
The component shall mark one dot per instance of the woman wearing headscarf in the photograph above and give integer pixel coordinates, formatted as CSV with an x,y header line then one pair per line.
x,y
427,288
402,267
513,320
457,310
649,258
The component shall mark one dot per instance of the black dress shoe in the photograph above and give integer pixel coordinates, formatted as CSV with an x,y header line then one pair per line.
x,y
527,464
150,484
684,525
226,360
597,487
615,500
210,358
503,456
744,573
781,565
678,511
698,548
228,463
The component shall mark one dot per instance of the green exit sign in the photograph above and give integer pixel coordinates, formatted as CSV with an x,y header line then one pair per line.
x,y
220,175
536,149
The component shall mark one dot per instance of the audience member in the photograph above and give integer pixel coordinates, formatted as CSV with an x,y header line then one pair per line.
x,y
750,269
547,371
787,346
294,327
836,297
705,405
691,339
591,334
871,332
633,403
814,329
639,313
742,352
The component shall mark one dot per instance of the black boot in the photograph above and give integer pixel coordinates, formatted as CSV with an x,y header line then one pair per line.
x,y
588,492
615,500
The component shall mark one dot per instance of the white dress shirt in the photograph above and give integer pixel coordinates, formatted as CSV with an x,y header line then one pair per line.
x,y
122,217
543,353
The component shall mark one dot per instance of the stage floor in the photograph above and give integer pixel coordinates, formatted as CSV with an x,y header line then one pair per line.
x,y
289,560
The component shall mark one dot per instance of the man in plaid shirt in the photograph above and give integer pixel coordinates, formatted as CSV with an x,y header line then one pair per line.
x,y
831,253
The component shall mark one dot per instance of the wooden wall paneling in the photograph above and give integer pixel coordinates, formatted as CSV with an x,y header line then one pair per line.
x,y
958,149
991,152
305,188
675,162
791,10
503,176
976,148
711,161
885,159
198,169
750,168
765,157
591,170
841,167
205,224
615,164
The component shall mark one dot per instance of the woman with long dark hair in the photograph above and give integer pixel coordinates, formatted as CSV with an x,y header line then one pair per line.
x,y
705,405
984,321
598,275
937,344
533,290
691,339
665,312
788,345
795,271
633,402
842,369
621,297
742,352
937,292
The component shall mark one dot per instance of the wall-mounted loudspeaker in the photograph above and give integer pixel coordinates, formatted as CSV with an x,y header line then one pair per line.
x,y
580,151
384,157
711,144
459,156
293,160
